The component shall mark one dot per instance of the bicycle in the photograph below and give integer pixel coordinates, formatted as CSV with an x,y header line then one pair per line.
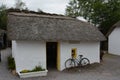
x,y
81,61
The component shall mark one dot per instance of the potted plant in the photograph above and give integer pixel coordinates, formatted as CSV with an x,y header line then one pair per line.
x,y
37,71
11,65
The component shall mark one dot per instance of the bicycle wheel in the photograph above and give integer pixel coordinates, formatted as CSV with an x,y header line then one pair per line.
x,y
84,61
69,63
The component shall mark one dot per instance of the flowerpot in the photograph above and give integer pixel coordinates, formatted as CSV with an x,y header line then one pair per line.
x,y
33,74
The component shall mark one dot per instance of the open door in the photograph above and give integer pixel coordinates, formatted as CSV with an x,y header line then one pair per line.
x,y
51,49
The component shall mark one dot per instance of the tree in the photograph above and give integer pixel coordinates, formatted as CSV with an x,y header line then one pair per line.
x,y
104,13
39,10
3,17
20,5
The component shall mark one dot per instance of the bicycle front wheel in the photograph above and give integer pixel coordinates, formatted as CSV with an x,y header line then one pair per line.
x,y
69,63
84,61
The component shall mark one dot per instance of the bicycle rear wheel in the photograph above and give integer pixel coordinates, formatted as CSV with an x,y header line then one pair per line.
x,y
84,61
69,63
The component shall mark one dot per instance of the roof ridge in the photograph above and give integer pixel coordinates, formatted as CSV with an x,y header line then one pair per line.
x,y
26,13
40,15
33,12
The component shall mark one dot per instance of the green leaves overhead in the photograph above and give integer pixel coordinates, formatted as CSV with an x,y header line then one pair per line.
x,y
19,4
99,12
3,17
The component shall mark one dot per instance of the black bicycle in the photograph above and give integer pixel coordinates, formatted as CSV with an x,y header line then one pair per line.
x,y
81,61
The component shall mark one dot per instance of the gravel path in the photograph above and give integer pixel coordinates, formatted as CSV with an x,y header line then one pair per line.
x,y
109,69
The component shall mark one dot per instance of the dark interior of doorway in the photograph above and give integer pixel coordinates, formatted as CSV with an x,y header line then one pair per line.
x,y
51,54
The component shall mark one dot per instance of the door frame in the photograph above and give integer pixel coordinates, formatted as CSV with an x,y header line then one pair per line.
x,y
58,56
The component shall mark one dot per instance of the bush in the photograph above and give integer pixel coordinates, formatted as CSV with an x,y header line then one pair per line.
x,y
11,63
37,68
25,71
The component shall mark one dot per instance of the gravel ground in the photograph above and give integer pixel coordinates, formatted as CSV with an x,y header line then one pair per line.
x,y
109,69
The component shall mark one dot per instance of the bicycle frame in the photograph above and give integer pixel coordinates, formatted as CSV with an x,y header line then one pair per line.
x,y
74,62
78,60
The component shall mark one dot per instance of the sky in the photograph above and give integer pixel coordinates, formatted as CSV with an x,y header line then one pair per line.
x,y
49,6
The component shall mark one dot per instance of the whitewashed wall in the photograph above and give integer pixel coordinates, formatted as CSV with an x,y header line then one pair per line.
x,y
114,41
29,54
13,48
89,50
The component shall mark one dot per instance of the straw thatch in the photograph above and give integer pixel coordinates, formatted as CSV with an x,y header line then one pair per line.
x,y
30,26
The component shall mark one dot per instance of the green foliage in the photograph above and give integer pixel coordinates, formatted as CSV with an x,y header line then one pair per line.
x,y
104,13
11,63
25,71
3,17
37,68
19,4
3,13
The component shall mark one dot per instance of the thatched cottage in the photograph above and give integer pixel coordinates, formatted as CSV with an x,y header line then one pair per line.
x,y
114,39
48,40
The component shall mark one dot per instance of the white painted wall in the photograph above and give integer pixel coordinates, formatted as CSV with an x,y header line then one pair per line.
x,y
90,50
13,48
29,54
114,41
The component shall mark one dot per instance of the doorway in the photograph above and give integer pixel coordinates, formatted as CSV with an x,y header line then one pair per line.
x,y
51,50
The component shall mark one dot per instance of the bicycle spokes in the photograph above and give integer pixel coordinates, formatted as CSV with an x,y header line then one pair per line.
x,y
75,62
84,62
69,63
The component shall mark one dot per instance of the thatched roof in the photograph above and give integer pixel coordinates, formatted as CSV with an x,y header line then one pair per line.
x,y
113,27
30,26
